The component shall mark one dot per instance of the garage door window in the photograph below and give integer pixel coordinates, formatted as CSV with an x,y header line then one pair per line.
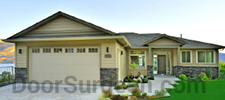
x,y
80,50
46,50
69,50
57,50
93,50
36,50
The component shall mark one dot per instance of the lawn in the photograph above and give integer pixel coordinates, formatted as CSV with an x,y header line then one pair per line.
x,y
214,90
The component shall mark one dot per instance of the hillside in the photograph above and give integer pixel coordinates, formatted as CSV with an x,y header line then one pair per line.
x,y
7,52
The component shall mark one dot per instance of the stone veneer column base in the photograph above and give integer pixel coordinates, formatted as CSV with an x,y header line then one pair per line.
x,y
21,75
108,76
149,70
194,71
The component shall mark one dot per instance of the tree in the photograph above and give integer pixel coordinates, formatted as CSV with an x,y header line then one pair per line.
x,y
133,66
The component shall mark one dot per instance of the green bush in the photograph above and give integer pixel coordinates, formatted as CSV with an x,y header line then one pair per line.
x,y
118,87
136,92
145,80
132,85
205,78
183,77
124,95
126,80
131,76
222,74
152,77
209,72
128,77
130,80
139,81
107,93
160,93
6,76
144,94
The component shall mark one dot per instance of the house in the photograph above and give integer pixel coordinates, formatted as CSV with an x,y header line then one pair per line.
x,y
62,45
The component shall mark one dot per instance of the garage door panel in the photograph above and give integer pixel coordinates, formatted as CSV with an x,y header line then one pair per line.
x,y
58,66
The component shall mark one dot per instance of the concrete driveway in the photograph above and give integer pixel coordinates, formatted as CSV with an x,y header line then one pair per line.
x,y
21,91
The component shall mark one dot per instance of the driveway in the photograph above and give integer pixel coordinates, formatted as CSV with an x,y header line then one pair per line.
x,y
21,91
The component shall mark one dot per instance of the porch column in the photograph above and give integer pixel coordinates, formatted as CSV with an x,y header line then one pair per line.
x,y
178,55
150,54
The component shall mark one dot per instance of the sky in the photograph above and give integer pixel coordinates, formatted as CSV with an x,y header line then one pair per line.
x,y
202,20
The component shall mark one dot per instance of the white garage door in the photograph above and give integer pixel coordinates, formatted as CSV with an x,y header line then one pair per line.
x,y
57,63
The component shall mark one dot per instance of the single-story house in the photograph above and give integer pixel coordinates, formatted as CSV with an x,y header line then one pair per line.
x,y
62,45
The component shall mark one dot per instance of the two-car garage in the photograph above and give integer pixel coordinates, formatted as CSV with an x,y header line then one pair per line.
x,y
56,63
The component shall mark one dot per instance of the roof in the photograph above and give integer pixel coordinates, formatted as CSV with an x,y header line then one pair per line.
x,y
56,15
139,40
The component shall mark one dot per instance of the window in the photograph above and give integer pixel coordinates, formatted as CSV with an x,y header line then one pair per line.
x,y
80,50
138,57
20,51
205,56
46,50
69,50
186,56
35,50
93,50
57,50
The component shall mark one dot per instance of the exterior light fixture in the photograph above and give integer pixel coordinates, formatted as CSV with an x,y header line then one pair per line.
x,y
107,49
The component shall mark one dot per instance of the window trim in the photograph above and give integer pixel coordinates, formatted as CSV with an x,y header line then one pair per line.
x,y
83,48
56,49
46,48
190,57
214,57
137,55
69,49
38,50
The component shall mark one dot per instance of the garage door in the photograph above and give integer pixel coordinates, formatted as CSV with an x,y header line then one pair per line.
x,y
57,63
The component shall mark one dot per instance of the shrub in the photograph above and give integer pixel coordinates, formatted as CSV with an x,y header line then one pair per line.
x,y
117,97
139,73
131,76
107,93
160,93
183,77
136,92
118,87
205,78
132,85
152,77
126,80
124,95
209,72
145,80
128,77
222,74
144,94
130,80
139,81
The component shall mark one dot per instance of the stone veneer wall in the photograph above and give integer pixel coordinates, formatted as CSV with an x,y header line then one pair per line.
x,y
194,71
149,70
108,76
21,75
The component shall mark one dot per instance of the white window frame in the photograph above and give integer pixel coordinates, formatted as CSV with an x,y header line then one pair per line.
x,y
57,50
92,50
214,57
36,50
137,55
83,50
69,50
190,57
44,49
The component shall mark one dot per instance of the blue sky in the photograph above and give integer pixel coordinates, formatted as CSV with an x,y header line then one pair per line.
x,y
202,20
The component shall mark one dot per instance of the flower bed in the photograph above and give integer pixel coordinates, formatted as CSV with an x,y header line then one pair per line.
x,y
140,78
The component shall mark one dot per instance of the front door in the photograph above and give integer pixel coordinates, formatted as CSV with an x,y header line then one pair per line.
x,y
161,64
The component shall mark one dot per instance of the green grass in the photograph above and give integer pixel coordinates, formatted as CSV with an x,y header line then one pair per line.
x,y
214,90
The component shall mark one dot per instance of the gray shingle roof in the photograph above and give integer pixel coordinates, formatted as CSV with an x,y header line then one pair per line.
x,y
138,40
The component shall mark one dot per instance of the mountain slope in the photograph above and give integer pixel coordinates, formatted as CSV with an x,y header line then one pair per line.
x,y
7,52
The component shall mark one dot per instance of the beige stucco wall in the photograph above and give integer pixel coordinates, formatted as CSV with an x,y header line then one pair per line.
x,y
164,42
21,59
121,61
